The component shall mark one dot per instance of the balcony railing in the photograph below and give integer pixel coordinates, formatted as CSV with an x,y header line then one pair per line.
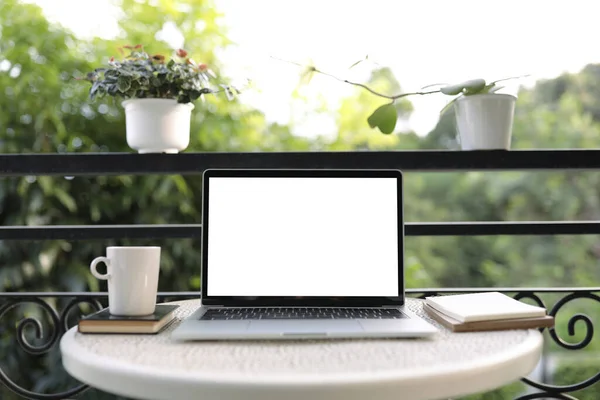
x,y
196,163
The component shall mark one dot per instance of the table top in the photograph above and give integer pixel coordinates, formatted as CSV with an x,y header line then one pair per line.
x,y
155,368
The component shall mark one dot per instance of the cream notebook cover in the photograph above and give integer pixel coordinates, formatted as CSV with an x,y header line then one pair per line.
x,y
487,306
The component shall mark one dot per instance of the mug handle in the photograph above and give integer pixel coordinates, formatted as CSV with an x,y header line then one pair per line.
x,y
95,263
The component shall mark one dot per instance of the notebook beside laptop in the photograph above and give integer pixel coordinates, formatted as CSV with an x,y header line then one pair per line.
x,y
302,254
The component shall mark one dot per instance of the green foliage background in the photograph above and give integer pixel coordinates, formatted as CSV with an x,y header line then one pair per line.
x,y
43,110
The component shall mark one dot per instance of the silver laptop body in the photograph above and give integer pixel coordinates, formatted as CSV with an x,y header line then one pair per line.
x,y
302,254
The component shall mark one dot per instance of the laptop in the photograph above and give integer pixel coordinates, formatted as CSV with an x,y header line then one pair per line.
x,y
302,254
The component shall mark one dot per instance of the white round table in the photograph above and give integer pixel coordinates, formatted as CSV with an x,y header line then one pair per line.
x,y
152,367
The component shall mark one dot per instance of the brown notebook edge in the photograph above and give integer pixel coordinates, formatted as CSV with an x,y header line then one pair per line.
x,y
151,329
122,325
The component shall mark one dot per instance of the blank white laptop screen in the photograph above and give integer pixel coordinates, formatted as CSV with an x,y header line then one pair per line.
x,y
299,236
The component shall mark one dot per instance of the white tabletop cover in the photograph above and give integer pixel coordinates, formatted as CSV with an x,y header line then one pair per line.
x,y
154,367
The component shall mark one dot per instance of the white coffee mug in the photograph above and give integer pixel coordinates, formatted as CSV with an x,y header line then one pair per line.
x,y
132,275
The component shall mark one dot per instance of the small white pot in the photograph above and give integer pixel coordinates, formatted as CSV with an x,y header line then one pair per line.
x,y
157,125
484,121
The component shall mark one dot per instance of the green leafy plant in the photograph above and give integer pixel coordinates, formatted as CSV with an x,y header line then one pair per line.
x,y
469,88
385,117
140,75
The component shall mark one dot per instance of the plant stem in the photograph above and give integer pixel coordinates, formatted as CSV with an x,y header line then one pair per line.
x,y
362,85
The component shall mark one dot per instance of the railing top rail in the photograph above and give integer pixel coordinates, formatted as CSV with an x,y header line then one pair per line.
x,y
408,291
172,231
76,164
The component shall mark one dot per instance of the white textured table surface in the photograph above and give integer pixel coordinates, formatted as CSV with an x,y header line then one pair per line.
x,y
153,367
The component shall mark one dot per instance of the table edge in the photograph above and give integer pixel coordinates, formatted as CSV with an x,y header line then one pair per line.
x,y
81,363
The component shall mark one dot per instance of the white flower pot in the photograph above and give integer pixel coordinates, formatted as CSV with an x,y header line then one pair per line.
x,y
157,125
484,121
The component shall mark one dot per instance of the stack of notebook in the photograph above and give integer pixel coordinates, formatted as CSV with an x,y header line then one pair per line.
x,y
485,312
103,322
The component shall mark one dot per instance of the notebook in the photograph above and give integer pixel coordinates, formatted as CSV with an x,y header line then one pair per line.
x,y
488,306
494,325
103,322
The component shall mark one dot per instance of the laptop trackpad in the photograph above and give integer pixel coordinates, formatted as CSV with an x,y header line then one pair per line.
x,y
305,326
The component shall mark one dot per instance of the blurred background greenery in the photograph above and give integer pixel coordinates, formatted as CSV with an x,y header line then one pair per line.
x,y
43,110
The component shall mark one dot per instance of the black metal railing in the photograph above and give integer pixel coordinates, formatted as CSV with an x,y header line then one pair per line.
x,y
196,163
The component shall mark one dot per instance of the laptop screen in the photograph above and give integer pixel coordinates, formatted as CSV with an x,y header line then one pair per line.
x,y
303,236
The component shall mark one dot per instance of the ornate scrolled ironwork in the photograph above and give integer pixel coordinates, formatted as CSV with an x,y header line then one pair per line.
x,y
589,332
58,326
36,324
66,312
532,296
560,390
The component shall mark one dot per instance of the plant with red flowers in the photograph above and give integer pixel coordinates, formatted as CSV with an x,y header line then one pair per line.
x,y
140,75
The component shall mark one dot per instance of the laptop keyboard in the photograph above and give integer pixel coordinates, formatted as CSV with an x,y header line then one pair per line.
x,y
301,313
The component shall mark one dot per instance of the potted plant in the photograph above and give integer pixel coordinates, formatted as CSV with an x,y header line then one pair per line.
x,y
158,93
484,117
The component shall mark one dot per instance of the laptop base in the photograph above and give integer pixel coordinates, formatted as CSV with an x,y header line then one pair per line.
x,y
193,328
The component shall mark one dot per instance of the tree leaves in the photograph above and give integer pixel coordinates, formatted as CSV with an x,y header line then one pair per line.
x,y
65,199
384,118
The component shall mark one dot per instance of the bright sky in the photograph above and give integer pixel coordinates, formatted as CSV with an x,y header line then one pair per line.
x,y
423,41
